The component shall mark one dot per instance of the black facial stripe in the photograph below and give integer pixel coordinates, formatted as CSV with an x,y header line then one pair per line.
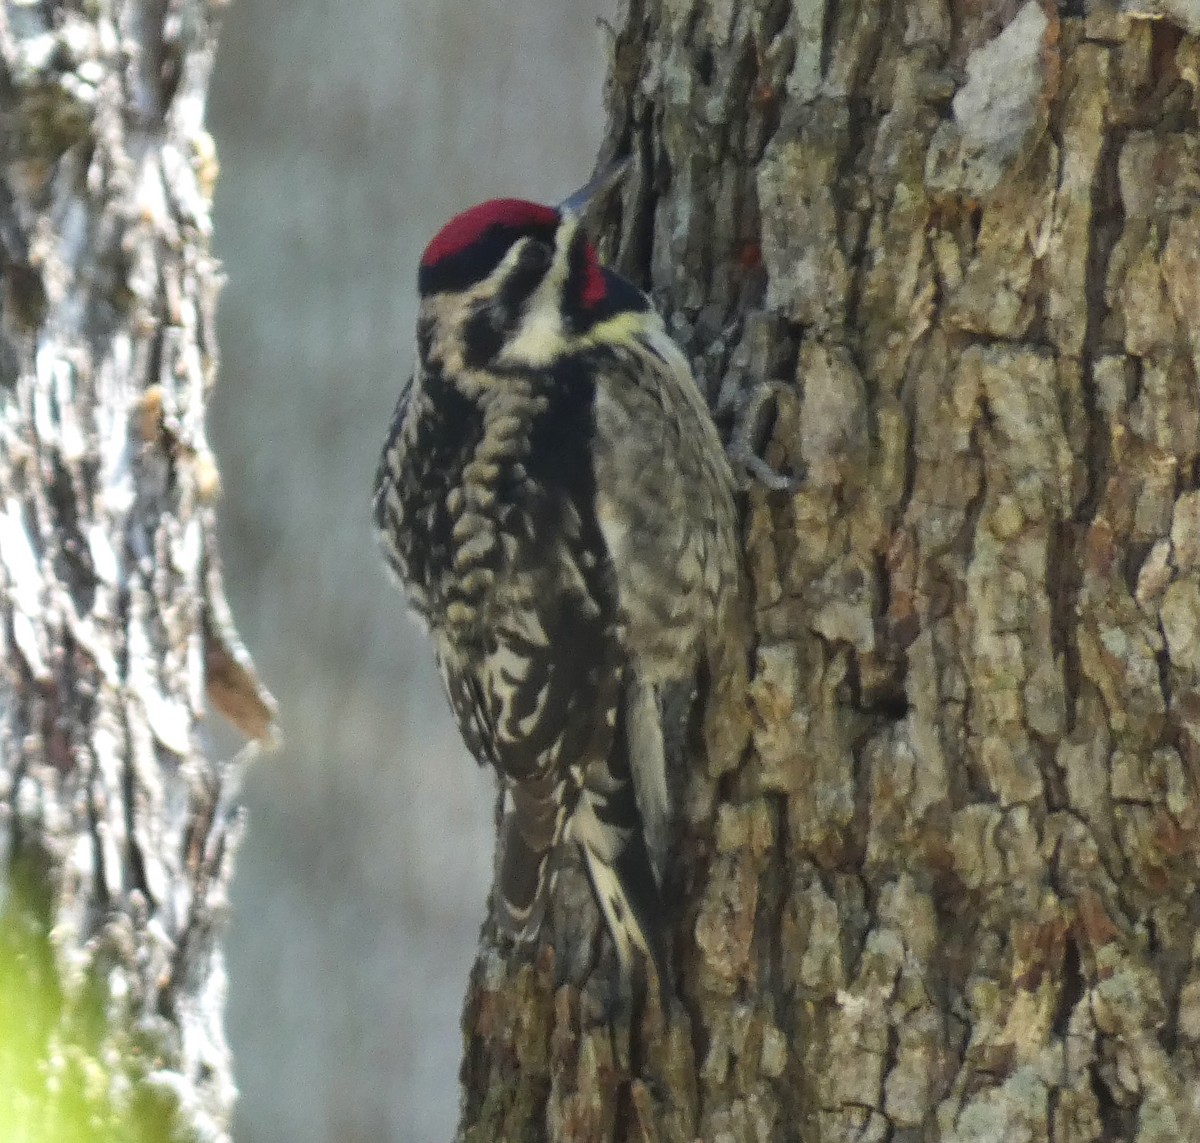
x,y
483,336
533,263
466,267
485,332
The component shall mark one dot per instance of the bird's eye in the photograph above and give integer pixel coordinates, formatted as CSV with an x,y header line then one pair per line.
x,y
536,255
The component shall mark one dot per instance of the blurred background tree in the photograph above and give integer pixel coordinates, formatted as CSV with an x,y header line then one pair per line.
x,y
347,134
117,817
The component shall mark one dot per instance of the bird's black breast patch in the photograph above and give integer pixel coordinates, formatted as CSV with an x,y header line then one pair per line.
x,y
561,460
560,440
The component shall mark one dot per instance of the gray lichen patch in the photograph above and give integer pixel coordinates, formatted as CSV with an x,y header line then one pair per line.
x,y
1000,109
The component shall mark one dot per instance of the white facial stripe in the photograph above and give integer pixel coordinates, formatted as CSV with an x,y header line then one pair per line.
x,y
491,284
540,336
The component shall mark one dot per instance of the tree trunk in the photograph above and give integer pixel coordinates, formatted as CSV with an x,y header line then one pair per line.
x,y
116,829
946,254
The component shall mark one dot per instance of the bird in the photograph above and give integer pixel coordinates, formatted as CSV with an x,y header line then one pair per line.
x,y
554,499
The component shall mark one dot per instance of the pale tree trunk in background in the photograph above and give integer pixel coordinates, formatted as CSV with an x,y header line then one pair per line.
x,y
950,890
115,828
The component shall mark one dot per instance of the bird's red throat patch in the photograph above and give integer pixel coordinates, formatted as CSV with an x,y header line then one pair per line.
x,y
595,288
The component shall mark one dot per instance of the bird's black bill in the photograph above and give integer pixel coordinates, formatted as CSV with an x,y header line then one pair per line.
x,y
597,189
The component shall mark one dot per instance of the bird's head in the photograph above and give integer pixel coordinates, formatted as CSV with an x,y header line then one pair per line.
x,y
516,283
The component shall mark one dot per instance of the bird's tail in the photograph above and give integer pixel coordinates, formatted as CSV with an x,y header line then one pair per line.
x,y
608,824
531,830
608,827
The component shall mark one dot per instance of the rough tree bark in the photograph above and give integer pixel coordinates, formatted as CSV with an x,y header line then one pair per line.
x,y
115,827
948,890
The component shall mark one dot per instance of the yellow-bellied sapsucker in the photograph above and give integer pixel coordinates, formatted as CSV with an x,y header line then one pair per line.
x,y
556,502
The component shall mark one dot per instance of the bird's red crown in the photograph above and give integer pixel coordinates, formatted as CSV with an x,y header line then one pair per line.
x,y
467,228
472,243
